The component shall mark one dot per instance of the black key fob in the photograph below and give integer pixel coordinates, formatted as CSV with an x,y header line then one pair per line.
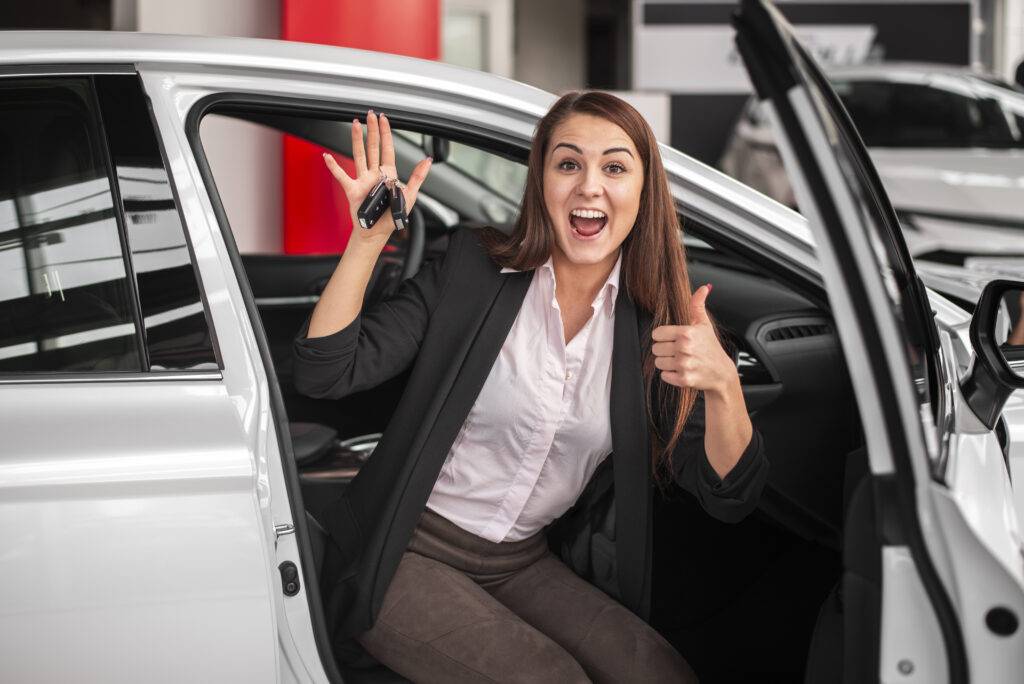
x,y
398,208
373,206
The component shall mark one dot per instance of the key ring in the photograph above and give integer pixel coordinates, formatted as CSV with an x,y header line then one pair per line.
x,y
392,183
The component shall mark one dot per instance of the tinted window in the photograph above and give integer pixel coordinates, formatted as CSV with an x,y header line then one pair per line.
x,y
65,298
175,328
891,114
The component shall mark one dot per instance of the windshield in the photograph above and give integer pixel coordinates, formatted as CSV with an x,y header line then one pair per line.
x,y
939,111
504,177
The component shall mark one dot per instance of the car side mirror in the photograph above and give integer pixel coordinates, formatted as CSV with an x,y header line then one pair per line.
x,y
997,335
436,147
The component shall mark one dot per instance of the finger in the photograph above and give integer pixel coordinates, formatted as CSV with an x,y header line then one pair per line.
x,y
672,378
419,174
358,151
698,310
670,348
667,333
338,172
372,142
387,143
669,363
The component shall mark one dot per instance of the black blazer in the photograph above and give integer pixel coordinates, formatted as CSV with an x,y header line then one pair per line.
x,y
449,323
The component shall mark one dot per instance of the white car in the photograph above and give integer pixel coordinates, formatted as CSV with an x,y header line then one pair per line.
x,y
947,142
160,479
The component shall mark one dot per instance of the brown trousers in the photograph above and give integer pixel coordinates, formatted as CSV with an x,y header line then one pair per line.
x,y
464,609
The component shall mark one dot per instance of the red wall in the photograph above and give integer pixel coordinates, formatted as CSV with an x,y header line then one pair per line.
x,y
316,214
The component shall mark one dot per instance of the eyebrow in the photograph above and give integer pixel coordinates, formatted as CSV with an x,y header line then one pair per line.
x,y
579,151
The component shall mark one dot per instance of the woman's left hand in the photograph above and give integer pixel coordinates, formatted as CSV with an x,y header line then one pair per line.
x,y
691,355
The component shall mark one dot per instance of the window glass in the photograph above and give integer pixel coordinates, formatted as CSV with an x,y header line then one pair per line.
x,y
945,113
503,177
65,299
175,328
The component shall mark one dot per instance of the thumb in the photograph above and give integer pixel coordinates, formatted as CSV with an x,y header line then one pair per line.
x,y
698,310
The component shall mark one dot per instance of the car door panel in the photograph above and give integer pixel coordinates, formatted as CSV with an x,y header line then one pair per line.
x,y
891,346
135,539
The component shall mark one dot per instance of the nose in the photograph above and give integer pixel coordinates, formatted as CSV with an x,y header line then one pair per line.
x,y
590,184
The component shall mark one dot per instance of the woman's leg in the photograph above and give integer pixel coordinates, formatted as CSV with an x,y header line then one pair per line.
x,y
610,642
438,625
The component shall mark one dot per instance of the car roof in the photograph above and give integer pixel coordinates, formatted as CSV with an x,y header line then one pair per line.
x,y
260,54
278,57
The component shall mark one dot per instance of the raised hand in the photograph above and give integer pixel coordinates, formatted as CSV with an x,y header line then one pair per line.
x,y
377,156
691,355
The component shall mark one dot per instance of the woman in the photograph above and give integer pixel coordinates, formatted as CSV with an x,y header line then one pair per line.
x,y
533,357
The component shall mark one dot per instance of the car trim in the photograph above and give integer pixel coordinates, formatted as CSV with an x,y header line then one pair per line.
x,y
88,376
84,69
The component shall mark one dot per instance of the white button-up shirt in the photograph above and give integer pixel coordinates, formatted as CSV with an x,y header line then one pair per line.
x,y
540,425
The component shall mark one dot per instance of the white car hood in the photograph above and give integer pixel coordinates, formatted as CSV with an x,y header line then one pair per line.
x,y
961,182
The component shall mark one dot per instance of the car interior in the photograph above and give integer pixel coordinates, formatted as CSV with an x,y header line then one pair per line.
x,y
792,592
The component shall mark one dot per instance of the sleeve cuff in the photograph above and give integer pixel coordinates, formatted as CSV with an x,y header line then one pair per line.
x,y
751,454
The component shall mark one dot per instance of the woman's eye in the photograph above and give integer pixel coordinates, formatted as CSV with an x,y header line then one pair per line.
x,y
616,168
571,164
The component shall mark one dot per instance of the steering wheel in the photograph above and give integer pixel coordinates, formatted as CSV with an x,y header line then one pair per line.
x,y
416,243
404,258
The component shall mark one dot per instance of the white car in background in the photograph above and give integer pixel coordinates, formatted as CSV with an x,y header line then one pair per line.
x,y
947,142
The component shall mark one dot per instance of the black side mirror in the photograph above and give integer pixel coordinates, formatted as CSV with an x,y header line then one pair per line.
x,y
997,335
436,147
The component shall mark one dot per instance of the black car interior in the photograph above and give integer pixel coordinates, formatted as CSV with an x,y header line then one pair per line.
x,y
761,600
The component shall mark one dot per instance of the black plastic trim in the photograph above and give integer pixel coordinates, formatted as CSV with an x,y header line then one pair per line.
x,y
122,229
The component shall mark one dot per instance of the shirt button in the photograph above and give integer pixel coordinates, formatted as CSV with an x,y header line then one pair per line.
x,y
568,375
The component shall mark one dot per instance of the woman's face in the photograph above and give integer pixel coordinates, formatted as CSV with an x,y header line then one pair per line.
x,y
593,177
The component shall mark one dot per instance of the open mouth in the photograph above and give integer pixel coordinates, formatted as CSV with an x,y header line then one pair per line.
x,y
587,227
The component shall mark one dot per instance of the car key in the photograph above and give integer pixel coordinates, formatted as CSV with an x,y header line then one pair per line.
x,y
398,207
374,204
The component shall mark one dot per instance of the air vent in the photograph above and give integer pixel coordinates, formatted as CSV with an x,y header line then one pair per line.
x,y
794,332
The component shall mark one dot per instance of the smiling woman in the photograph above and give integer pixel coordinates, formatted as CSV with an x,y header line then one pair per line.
x,y
563,324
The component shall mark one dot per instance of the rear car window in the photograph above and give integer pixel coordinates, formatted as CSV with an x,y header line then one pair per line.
x,y
68,295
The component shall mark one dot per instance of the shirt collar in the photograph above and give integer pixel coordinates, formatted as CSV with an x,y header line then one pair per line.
x,y
609,291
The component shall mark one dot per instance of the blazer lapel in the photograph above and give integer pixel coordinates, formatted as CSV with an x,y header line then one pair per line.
x,y
631,457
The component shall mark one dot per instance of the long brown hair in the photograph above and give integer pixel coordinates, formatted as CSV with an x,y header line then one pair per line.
x,y
653,259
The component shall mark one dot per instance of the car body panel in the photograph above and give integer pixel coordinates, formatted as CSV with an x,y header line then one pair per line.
x,y
131,543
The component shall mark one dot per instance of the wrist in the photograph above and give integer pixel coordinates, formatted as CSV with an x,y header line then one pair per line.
x,y
366,245
727,390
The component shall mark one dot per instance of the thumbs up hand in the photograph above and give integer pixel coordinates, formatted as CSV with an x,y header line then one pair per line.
x,y
691,355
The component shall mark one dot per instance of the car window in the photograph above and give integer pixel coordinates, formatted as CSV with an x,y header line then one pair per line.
x,y
943,113
300,209
175,327
66,303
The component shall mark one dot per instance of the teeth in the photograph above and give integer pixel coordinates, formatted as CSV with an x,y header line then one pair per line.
x,y
587,213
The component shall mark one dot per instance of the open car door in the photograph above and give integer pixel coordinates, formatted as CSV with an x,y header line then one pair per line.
x,y
932,586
